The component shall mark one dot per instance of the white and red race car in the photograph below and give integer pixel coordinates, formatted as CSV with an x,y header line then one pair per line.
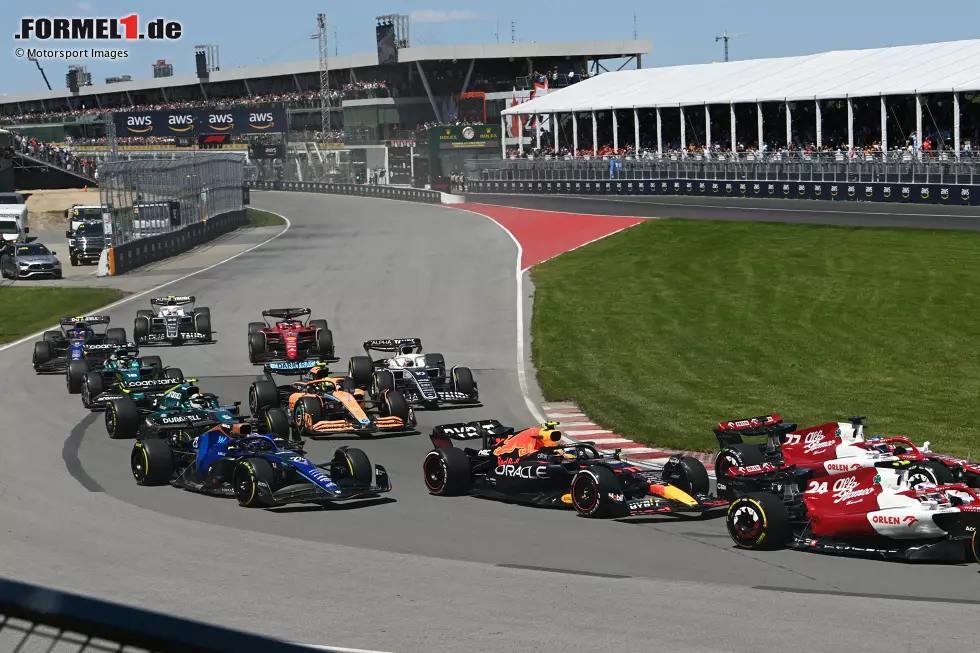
x,y
854,513
831,449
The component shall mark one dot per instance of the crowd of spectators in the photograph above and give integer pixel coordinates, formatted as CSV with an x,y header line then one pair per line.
x,y
61,156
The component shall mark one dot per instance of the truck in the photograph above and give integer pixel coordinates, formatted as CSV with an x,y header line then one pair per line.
x,y
13,223
86,233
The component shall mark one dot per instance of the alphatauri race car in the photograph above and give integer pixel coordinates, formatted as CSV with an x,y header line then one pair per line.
x,y
830,449
77,340
255,469
322,404
422,378
533,466
289,339
868,512
184,409
172,319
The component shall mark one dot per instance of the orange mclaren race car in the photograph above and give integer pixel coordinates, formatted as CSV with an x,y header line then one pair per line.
x,y
321,404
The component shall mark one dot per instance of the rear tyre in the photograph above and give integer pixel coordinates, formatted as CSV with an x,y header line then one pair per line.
x,y
318,324
758,521
117,334
155,362
436,360
277,423
262,395
122,419
735,455
256,346
76,372
447,472
361,370
42,354
92,386
591,489
929,471
152,462
383,382
247,476
174,374
463,381
53,336
146,314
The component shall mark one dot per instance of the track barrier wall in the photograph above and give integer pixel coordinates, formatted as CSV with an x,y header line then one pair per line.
x,y
360,190
948,194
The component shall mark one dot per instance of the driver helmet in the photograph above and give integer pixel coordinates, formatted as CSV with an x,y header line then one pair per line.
x,y
197,401
318,371
171,301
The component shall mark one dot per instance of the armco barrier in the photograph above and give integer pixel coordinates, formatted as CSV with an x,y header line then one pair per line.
x,y
362,190
138,253
948,194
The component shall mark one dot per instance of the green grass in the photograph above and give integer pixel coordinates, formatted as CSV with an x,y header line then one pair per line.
x,y
257,218
26,309
663,330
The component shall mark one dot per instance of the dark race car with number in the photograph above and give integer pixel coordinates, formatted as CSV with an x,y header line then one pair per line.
x,y
289,339
534,467
423,379
830,449
856,513
127,375
173,319
259,470
185,410
320,404
77,340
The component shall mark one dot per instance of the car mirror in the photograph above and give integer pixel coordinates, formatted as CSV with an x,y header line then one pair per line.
x,y
67,233
54,253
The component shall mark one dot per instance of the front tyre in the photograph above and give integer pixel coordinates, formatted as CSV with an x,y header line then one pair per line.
x,y
122,419
152,462
758,521
591,489
253,479
354,464
277,423
447,472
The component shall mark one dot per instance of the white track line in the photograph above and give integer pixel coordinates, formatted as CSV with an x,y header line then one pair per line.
x,y
143,293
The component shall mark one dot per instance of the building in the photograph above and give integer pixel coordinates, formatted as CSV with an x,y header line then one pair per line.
x,y
162,69
117,80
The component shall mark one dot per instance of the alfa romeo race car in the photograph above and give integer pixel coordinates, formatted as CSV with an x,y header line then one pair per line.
x,y
124,374
534,467
830,449
856,513
255,470
184,410
77,340
422,378
289,339
172,319
320,404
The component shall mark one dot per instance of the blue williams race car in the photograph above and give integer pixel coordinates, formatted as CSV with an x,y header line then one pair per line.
x,y
255,470
76,341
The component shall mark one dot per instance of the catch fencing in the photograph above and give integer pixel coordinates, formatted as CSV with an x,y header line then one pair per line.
x,y
151,197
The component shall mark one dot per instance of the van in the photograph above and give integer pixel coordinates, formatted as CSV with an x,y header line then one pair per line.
x,y
13,223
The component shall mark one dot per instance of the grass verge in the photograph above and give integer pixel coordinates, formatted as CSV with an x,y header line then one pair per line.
x,y
663,330
27,309
257,218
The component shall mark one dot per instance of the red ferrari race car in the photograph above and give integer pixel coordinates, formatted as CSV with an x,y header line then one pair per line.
x,y
289,339
831,449
854,513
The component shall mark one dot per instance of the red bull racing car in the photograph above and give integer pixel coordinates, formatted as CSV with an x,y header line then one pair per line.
x,y
289,339
831,449
533,466
856,513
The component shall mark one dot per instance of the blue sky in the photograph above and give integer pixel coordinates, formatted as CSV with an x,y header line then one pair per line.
x,y
250,32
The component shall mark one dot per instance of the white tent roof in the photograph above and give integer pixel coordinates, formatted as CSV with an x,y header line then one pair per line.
x,y
906,70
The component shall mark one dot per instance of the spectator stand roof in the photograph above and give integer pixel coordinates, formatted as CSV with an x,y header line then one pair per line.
x,y
905,70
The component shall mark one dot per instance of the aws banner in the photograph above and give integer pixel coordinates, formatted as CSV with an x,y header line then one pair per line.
x,y
238,121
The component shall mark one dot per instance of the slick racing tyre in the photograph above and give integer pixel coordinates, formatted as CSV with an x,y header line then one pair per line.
x,y
318,324
758,521
247,477
53,336
383,382
463,381
117,336
324,343
256,346
307,412
975,546
42,354
202,322
141,328
73,377
689,475
122,419
262,395
436,360
255,327
447,472
155,362
591,489
152,462
276,423
352,463
361,369
929,471
396,405
175,374
735,455
92,386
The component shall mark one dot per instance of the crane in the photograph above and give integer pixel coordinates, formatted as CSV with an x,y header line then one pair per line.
x,y
726,36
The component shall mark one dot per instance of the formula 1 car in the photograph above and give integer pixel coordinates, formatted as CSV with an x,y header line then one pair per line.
x,y
185,410
171,321
124,374
831,448
289,339
255,470
857,513
320,404
421,378
534,467
76,341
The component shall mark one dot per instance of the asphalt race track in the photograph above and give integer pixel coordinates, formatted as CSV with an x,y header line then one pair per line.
x,y
412,572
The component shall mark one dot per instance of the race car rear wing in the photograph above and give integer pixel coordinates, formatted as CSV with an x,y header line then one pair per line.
x,y
391,344
443,435
732,432
179,300
286,313
87,319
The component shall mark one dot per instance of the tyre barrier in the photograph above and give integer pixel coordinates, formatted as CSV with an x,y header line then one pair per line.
x,y
135,254
361,190
949,194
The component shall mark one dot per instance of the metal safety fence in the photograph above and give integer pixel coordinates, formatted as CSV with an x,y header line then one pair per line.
x,y
894,168
150,197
